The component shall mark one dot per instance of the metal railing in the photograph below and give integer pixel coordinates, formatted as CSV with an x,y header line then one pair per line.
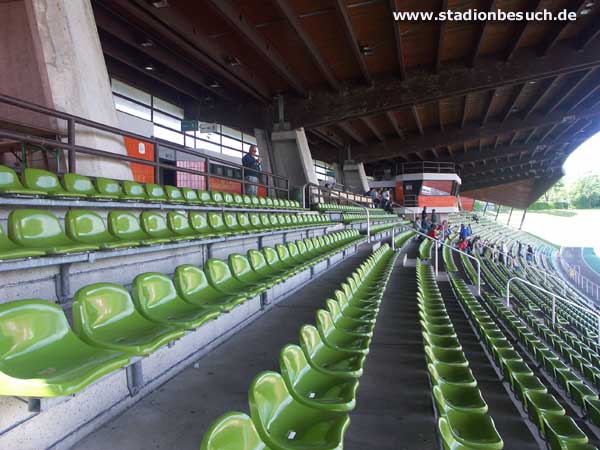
x,y
554,298
330,195
427,167
273,183
583,283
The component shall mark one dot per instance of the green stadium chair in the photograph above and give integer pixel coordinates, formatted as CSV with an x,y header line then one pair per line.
x,y
42,180
266,222
155,225
347,324
104,315
109,189
232,224
234,430
174,195
579,392
255,201
540,405
286,424
259,264
190,195
10,250
313,388
228,199
88,227
524,383
217,224
126,226
327,360
156,298
269,202
205,198
247,201
200,225
242,271
441,374
80,185
217,198
460,430
41,230
155,192
220,277
562,432
193,287
180,225
338,340
285,259
133,191
449,397
255,222
42,357
11,184
446,356
243,221
275,264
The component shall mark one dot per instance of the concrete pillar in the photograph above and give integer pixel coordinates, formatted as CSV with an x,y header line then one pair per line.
x,y
56,60
355,177
292,158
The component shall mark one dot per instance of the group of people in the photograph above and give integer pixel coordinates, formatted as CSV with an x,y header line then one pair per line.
x,y
429,225
382,198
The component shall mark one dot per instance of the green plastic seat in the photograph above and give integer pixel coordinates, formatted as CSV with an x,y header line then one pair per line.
x,y
347,324
10,250
133,191
524,383
179,224
234,430
189,195
286,424
269,202
441,374
40,355
217,198
579,391
339,340
468,431
193,287
562,432
41,230
446,356
313,388
242,270
42,180
108,188
450,397
255,202
275,264
539,405
200,225
10,184
155,225
220,277
217,224
156,298
259,264
228,199
327,360
205,198
88,227
126,226
82,185
174,194
104,315
238,200
247,201
232,224
155,192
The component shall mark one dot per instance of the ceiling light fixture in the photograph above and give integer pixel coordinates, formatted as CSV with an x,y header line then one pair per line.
x,y
366,50
160,3
149,67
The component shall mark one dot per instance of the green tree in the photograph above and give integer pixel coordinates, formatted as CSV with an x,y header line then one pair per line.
x,y
585,192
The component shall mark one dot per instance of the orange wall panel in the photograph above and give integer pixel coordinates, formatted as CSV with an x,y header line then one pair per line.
x,y
143,150
437,201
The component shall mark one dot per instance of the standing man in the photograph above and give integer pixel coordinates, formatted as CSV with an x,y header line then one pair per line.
x,y
251,163
424,213
434,217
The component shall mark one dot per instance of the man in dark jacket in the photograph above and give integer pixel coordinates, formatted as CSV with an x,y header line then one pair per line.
x,y
251,163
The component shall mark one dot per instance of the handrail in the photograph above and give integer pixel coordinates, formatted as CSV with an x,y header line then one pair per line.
x,y
554,297
580,281
335,193
72,149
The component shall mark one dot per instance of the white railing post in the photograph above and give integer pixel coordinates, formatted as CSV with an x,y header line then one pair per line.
x,y
478,276
599,330
554,310
368,226
508,292
393,239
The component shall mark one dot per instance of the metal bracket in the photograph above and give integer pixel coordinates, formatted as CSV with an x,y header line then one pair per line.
x,y
62,282
135,378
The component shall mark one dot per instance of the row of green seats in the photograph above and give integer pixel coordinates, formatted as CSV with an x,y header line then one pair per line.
x,y
42,183
344,208
560,430
463,420
403,238
43,357
381,228
352,218
305,406
34,233
448,257
425,248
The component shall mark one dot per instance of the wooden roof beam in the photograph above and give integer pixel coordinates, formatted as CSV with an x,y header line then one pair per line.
x,y
463,119
371,126
482,32
553,36
571,90
513,103
342,11
440,44
534,5
236,20
398,40
350,131
296,24
440,115
540,98
471,185
417,118
589,35
488,110
392,118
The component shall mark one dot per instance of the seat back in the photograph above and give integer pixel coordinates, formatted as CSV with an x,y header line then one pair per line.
x,y
190,195
269,202
215,220
35,229
217,197
284,254
241,269
125,225
266,396
247,200
258,263
179,223
155,224
228,199
234,430
189,280
292,364
265,220
42,180
272,258
9,179
302,249
87,227
334,309
199,222
293,251
174,194
244,221
78,184
155,192
106,186
238,200
255,221
134,191
218,273
152,290
324,322
98,308
204,197
231,222
310,340
274,221
255,201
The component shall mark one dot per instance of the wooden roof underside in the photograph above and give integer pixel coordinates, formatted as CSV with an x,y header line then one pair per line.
x,y
507,101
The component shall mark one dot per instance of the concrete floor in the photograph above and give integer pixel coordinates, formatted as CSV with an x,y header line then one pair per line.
x,y
176,415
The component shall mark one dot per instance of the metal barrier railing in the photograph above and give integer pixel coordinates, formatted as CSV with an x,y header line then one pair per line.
x,y
580,281
329,195
273,183
428,167
554,298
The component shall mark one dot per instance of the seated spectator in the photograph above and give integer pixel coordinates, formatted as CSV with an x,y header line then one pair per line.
x,y
529,254
462,245
475,218
434,217
464,232
425,225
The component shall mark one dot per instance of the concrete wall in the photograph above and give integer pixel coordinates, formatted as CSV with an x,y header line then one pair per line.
x,y
292,158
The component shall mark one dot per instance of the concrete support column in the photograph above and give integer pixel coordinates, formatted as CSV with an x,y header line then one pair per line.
x,y
355,177
53,51
292,158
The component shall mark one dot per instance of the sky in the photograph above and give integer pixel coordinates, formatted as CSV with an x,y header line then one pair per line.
x,y
584,160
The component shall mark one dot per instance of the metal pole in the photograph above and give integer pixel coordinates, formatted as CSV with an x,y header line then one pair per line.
x,y
71,141
368,227
509,216
523,219
508,293
156,162
485,208
393,239
436,258
478,277
598,330
498,212
553,309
